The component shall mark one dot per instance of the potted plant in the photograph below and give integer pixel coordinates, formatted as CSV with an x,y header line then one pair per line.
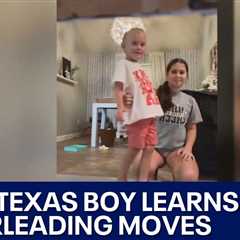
x,y
73,71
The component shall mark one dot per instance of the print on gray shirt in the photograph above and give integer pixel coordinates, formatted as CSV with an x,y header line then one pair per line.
x,y
171,127
175,115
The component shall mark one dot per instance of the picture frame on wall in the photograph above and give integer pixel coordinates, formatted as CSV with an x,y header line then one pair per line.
x,y
66,66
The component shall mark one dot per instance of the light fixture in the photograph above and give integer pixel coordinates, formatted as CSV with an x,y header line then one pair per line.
x,y
121,25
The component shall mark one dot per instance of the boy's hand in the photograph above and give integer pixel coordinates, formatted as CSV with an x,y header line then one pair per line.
x,y
119,115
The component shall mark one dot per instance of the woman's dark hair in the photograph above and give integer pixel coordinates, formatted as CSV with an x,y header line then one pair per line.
x,y
163,92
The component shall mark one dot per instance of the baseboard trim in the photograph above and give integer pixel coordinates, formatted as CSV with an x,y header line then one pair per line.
x,y
67,136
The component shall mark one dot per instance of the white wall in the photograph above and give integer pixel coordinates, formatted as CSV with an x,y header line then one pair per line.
x,y
209,39
71,99
28,90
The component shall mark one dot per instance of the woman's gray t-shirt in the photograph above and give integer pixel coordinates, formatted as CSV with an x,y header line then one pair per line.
x,y
171,127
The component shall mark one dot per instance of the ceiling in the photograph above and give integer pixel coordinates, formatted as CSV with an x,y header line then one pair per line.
x,y
69,9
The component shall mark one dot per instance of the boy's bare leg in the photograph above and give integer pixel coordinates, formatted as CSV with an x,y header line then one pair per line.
x,y
145,164
136,163
125,164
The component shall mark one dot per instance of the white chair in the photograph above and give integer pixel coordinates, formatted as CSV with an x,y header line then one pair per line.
x,y
121,130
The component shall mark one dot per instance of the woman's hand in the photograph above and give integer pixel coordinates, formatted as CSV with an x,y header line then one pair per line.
x,y
185,153
120,115
128,99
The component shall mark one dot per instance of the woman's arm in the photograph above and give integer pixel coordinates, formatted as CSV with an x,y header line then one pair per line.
x,y
191,136
186,151
128,100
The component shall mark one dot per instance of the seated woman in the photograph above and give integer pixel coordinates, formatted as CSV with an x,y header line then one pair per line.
x,y
177,129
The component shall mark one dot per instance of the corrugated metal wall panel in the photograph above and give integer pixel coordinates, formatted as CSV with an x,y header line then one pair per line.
x,y
101,67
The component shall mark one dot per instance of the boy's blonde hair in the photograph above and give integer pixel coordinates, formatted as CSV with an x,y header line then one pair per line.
x,y
136,29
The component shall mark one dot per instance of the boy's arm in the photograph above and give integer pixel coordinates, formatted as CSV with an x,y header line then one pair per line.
x,y
118,92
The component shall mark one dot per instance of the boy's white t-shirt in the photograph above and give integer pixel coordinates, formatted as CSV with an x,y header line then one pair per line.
x,y
135,80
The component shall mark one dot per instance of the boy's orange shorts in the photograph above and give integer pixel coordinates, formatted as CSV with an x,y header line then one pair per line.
x,y
142,134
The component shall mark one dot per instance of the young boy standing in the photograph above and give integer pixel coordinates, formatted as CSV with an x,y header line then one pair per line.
x,y
140,119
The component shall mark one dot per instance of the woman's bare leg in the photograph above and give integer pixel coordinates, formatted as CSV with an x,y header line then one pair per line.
x,y
156,162
182,169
